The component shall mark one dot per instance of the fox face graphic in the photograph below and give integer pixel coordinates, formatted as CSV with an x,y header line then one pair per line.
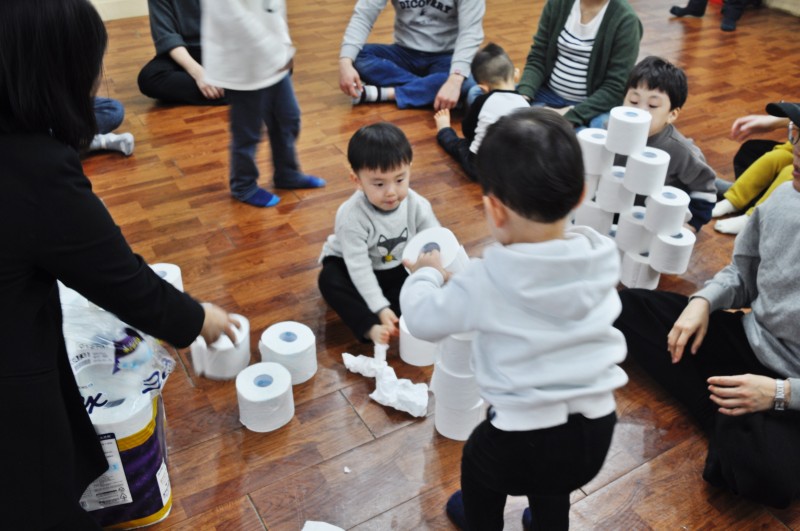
x,y
387,246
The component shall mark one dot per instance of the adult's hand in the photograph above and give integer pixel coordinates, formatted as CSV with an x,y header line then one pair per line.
x,y
747,126
742,394
181,56
349,80
217,322
692,322
209,91
448,94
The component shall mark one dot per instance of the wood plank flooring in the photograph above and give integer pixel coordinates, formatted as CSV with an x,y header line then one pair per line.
x,y
171,200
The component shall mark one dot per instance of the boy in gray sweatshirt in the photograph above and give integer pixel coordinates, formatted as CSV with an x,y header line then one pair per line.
x,y
362,272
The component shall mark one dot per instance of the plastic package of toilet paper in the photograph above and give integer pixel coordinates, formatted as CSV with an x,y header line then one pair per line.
x,y
120,373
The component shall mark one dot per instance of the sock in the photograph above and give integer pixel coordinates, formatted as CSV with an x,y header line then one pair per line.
x,y
300,181
723,208
455,510
262,199
122,142
732,225
371,94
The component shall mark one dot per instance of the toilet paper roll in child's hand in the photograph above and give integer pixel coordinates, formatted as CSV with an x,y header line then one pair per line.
x,y
218,322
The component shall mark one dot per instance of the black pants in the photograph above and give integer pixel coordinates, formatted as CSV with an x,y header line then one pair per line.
x,y
458,148
731,9
753,455
545,465
749,152
340,293
165,80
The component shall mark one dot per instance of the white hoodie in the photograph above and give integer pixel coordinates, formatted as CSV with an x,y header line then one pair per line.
x,y
544,312
246,43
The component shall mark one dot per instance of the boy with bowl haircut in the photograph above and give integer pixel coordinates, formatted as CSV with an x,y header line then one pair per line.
x,y
542,304
496,76
362,272
660,88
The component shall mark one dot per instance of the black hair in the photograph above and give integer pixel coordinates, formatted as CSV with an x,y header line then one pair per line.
x,y
379,146
492,65
659,74
51,54
531,161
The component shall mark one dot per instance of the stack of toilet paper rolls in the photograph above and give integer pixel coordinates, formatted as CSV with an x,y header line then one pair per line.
x,y
652,239
459,407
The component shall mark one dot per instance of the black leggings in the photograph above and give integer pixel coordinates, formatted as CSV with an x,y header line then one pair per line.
x,y
545,465
341,294
165,80
753,455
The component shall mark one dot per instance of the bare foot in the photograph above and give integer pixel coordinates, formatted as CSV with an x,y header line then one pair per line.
x,y
442,119
379,334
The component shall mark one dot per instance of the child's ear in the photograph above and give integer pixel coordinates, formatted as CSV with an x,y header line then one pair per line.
x,y
673,115
517,75
355,180
495,210
484,87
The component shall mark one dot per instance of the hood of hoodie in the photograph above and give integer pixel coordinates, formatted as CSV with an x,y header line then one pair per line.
x,y
577,270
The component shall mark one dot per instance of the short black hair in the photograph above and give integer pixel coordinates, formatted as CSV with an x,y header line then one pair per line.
x,y
379,146
531,161
51,54
659,74
492,65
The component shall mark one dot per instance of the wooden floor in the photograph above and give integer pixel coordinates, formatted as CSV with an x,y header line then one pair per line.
x,y
171,200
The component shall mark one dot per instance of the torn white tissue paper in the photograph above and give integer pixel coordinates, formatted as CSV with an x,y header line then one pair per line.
x,y
320,526
403,395
379,352
363,364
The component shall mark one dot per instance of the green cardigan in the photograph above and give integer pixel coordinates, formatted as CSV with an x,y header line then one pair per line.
x,y
613,56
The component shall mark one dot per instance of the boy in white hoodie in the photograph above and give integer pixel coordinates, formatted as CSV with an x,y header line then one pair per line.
x,y
542,304
248,52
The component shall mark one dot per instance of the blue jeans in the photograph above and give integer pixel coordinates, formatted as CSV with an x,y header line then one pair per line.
x,y
546,97
277,108
108,113
415,76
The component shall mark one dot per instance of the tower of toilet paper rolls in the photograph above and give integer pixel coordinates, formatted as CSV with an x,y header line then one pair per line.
x,y
652,239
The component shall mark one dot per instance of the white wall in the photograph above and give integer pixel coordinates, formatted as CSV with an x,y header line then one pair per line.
x,y
114,9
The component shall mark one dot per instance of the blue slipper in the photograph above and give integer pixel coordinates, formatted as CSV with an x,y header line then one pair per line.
x,y
262,199
527,519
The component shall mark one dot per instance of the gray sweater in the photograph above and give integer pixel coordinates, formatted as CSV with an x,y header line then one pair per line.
x,y
174,23
368,238
763,275
423,25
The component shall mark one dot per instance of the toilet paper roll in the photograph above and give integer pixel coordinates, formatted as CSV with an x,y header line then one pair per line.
x,y
457,424
632,235
646,171
294,346
453,390
628,128
670,253
637,273
222,360
415,351
454,257
169,272
596,158
666,210
455,352
590,214
591,181
124,417
612,195
265,396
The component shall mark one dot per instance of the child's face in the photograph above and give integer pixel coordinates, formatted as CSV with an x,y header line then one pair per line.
x,y
656,103
384,189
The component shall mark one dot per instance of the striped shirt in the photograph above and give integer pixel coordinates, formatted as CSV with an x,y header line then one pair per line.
x,y
575,43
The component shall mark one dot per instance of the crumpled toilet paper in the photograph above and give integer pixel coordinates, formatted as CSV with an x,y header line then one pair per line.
x,y
403,395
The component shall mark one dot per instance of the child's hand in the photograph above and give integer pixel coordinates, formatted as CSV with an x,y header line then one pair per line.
x,y
389,320
430,258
